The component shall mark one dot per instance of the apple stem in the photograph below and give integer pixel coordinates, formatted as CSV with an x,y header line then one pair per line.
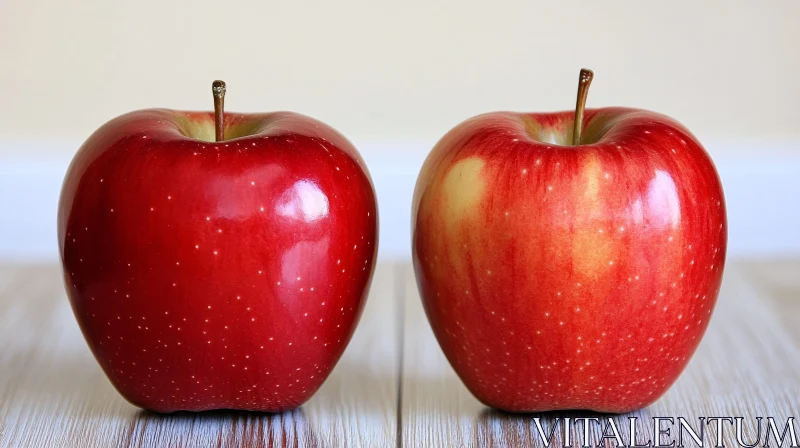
x,y
584,81
218,89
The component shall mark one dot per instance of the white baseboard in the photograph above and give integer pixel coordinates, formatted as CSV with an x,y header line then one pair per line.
x,y
761,182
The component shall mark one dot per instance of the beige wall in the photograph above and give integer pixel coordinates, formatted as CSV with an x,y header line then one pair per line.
x,y
406,69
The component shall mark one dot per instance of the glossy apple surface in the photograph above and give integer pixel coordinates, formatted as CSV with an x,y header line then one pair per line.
x,y
217,275
569,277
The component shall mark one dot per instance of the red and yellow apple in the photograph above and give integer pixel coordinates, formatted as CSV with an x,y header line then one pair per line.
x,y
217,274
569,276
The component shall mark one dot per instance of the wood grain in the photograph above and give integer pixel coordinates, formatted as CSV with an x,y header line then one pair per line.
x,y
780,281
52,392
392,376
748,365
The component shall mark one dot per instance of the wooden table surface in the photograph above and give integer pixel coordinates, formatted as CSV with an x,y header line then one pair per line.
x,y
392,387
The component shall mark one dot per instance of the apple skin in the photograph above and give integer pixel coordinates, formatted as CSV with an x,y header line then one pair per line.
x,y
569,277
211,275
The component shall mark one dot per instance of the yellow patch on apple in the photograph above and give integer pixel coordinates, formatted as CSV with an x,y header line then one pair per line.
x,y
462,189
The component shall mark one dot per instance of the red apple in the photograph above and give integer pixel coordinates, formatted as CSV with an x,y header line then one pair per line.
x,y
560,276
225,274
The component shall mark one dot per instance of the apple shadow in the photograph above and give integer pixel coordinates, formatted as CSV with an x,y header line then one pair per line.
x,y
297,427
444,398
224,428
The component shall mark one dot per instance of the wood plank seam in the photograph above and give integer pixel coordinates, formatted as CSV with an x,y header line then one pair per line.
x,y
399,296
